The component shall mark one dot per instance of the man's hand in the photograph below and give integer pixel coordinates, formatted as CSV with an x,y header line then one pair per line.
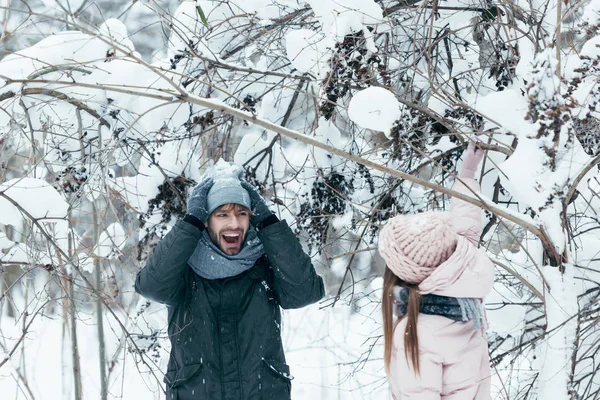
x,y
473,156
197,201
260,210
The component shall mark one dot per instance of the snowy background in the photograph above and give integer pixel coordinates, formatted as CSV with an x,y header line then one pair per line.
x,y
343,113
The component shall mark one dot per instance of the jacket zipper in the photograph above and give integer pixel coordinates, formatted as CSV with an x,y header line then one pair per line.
x,y
237,348
221,378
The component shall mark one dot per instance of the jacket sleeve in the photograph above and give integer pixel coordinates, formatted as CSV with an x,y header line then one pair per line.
x,y
296,283
162,279
466,217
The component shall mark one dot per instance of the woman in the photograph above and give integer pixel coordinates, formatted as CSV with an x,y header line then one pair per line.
x,y
435,279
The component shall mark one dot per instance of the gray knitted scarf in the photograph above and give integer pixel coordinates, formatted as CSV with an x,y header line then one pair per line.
x,y
455,308
210,262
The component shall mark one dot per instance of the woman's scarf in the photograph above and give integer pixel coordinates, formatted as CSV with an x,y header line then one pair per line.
x,y
457,309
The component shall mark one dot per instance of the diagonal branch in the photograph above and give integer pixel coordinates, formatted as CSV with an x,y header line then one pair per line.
x,y
57,95
224,108
24,333
250,117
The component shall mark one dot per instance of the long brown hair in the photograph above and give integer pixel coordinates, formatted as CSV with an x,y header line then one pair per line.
x,y
411,339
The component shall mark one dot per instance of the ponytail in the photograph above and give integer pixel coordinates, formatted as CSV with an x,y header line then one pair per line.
x,y
387,306
411,340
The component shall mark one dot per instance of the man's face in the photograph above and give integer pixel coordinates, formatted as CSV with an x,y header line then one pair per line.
x,y
227,227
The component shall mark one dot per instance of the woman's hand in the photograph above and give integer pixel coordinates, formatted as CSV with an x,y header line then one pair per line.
x,y
473,156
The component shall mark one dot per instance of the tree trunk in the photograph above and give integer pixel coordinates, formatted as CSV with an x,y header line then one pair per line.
x,y
73,321
74,344
99,317
557,350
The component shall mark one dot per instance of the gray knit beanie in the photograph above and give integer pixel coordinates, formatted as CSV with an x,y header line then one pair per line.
x,y
227,188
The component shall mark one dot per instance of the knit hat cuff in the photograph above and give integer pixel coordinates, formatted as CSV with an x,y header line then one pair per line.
x,y
228,191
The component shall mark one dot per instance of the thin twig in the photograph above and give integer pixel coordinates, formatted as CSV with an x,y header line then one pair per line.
x,y
57,95
24,333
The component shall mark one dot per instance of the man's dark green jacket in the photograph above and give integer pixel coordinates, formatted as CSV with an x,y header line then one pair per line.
x,y
226,333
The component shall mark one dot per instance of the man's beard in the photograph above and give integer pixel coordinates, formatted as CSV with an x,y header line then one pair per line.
x,y
226,242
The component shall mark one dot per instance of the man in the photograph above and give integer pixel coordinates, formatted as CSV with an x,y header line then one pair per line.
x,y
224,271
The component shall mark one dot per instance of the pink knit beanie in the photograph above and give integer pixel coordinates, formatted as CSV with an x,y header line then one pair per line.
x,y
413,246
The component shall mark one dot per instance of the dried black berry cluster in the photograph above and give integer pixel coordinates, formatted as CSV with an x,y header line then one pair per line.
x,y
552,113
465,117
177,58
587,128
412,133
328,198
366,174
250,103
351,66
587,131
386,207
167,202
203,121
407,138
71,179
148,344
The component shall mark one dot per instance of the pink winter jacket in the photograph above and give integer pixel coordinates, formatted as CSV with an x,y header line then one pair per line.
x,y
453,357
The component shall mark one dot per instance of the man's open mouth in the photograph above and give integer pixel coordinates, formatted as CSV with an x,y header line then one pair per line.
x,y
232,238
